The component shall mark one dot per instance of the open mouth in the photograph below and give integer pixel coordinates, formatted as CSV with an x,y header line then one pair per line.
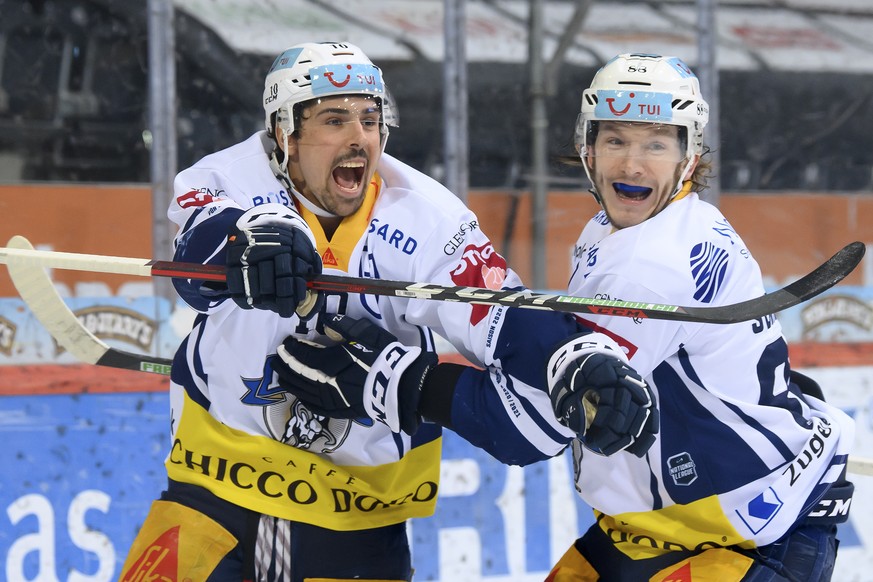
x,y
348,175
631,192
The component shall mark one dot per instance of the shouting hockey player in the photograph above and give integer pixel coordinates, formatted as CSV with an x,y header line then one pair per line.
x,y
263,485
746,479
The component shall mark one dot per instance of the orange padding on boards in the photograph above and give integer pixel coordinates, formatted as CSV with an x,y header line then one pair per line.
x,y
76,379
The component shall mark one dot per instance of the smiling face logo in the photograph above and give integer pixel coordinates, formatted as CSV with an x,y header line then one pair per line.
x,y
648,107
615,112
329,76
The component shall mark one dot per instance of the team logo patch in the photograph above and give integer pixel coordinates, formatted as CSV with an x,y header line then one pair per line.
x,y
761,510
194,198
289,421
708,267
682,469
480,266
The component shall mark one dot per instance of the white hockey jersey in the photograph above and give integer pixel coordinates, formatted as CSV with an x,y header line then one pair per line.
x,y
741,455
236,434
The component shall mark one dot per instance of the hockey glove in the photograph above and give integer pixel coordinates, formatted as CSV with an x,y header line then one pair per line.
x,y
269,256
369,373
597,394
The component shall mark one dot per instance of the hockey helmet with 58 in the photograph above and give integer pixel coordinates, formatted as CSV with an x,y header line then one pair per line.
x,y
644,88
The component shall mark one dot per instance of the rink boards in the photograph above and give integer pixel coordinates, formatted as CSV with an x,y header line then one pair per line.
x,y
83,448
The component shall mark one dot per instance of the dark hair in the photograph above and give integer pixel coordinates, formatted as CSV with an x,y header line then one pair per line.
x,y
702,173
271,131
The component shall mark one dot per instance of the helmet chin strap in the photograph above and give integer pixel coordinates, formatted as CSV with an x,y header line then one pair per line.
x,y
280,170
681,181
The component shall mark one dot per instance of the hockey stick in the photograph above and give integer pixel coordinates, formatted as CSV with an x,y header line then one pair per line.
x,y
860,465
822,278
40,295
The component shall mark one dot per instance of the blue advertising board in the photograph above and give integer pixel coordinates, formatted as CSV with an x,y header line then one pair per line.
x,y
79,471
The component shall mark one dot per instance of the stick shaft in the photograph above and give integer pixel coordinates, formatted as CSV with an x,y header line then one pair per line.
x,y
860,465
822,278
76,261
38,292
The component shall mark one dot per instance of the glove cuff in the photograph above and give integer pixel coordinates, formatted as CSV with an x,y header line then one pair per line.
x,y
576,347
274,214
382,401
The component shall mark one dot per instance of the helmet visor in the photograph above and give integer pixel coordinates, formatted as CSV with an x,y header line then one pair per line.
x,y
390,114
339,110
631,139
337,114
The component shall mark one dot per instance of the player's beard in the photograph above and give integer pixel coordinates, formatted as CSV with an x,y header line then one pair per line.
x,y
663,193
334,202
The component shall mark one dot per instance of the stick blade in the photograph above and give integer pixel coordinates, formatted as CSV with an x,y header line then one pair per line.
x,y
814,283
39,294
828,273
860,465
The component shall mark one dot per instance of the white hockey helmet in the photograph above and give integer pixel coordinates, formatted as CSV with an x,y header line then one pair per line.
x,y
644,88
321,69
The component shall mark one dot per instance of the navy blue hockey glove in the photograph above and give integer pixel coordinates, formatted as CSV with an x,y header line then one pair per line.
x,y
369,373
598,395
269,257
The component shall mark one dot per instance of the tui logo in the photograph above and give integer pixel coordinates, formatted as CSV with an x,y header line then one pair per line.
x,y
329,76
617,113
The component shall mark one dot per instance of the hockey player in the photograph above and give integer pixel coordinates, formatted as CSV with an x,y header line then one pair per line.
x,y
262,485
746,480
